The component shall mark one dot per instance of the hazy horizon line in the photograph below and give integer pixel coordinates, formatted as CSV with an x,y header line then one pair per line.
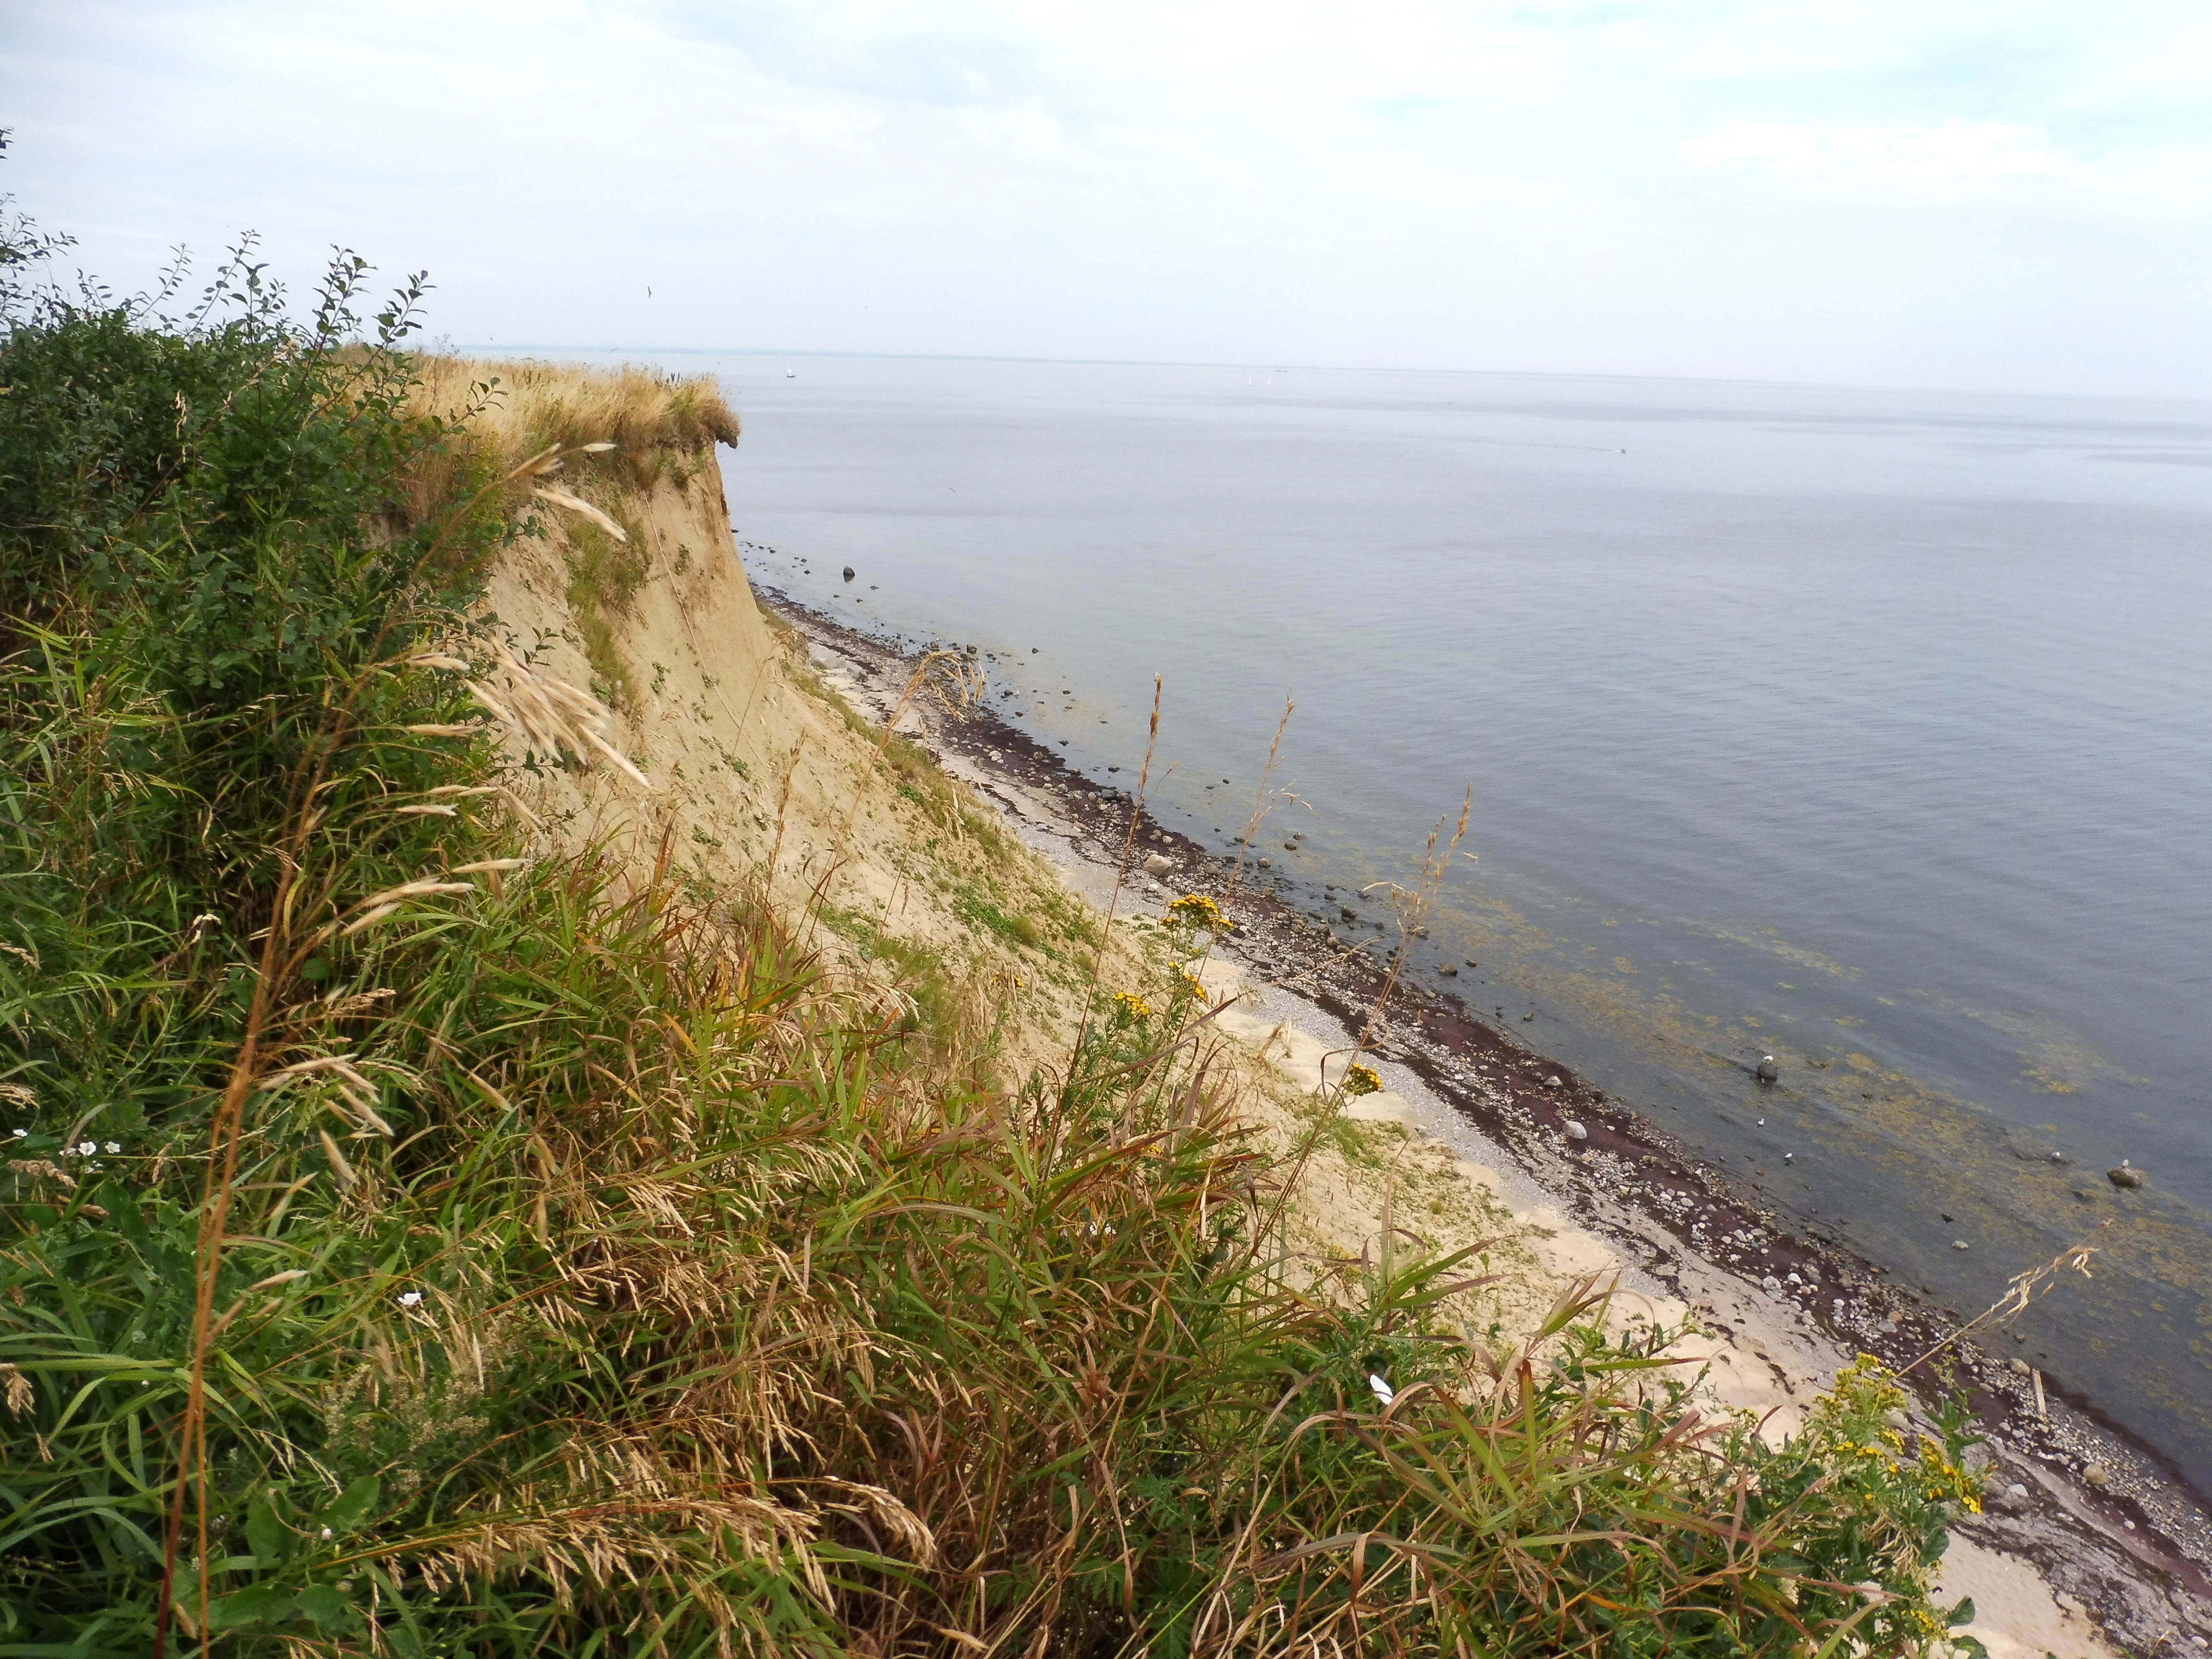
x,y
492,347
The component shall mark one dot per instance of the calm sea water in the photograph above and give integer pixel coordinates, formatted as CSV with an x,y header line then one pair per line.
x,y
1871,730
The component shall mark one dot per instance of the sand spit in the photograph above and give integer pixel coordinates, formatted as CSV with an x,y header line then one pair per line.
x,y
2058,1564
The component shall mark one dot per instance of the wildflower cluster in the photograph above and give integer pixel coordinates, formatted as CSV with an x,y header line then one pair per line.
x,y
1361,1079
1188,987
1857,1494
1197,910
1946,1482
1132,1006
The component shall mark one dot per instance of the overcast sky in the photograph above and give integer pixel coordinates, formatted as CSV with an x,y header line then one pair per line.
x,y
1972,193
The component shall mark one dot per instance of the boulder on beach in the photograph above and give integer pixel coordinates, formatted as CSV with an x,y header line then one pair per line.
x,y
1158,865
1575,1130
2125,1175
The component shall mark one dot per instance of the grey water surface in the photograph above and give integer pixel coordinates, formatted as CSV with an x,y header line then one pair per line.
x,y
1871,730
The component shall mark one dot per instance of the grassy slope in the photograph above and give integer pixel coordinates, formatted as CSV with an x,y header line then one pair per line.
x,y
704,1233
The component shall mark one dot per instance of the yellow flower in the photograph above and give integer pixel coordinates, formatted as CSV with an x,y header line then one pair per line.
x,y
1361,1079
1188,985
1196,910
1132,1005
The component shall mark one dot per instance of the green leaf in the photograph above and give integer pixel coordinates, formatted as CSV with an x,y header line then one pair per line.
x,y
1961,1614
255,1604
268,1537
345,1512
324,1605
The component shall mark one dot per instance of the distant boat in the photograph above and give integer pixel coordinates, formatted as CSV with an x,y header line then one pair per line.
x,y
790,373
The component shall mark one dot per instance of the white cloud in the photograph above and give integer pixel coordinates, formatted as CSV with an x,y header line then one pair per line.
x,y
1477,182
1954,151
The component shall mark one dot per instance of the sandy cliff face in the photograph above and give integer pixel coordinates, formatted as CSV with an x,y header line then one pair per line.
x,y
760,777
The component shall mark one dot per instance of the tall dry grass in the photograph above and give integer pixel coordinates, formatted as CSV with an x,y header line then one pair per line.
x,y
656,424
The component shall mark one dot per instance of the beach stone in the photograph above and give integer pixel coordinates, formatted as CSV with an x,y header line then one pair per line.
x,y
2125,1176
1347,913
1158,865
1767,1070
1961,1244
1771,1284
1267,864
1554,1082
849,572
1448,971
1575,1130
2097,1476
2021,1367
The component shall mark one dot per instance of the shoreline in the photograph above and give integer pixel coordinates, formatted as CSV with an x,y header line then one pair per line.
x,y
2136,1552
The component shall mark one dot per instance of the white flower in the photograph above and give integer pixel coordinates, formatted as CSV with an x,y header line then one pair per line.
x,y
87,1148
408,1298
1383,1391
114,1146
327,1533
19,1134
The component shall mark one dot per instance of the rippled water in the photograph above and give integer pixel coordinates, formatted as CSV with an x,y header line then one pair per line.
x,y
1872,730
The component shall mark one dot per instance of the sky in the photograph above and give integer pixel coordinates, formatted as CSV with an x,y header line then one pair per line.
x,y
2010,195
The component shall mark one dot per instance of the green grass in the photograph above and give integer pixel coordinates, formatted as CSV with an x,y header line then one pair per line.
x,y
605,577
979,909
556,1265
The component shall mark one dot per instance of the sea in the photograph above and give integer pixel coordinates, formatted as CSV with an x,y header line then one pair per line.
x,y
1868,730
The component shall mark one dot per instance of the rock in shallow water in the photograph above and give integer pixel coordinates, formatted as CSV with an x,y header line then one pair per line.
x,y
2125,1176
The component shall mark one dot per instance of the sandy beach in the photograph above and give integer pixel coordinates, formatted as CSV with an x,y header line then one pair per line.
x,y
2087,1545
